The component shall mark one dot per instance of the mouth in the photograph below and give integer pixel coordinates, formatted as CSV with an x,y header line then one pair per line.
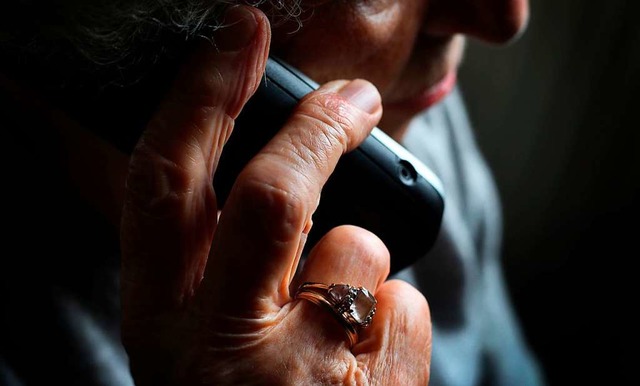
x,y
427,97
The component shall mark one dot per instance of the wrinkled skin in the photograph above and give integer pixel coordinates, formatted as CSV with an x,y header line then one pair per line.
x,y
208,300
207,294
402,47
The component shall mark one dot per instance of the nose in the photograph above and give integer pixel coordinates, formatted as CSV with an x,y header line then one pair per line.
x,y
492,21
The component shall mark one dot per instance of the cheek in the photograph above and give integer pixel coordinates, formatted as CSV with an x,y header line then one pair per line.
x,y
341,41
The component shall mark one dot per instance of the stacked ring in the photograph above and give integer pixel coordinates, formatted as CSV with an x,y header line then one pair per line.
x,y
353,307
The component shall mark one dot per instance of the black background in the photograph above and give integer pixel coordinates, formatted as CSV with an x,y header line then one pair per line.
x,y
556,114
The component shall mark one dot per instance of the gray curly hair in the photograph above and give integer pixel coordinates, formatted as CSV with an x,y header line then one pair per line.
x,y
118,35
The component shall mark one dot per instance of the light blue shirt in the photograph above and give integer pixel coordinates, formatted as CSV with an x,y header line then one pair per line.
x,y
476,336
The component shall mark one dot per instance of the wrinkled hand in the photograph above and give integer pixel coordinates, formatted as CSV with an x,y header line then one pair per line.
x,y
207,300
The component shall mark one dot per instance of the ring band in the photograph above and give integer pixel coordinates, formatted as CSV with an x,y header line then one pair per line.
x,y
353,307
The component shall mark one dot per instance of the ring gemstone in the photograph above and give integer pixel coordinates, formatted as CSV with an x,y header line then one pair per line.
x,y
353,307
357,302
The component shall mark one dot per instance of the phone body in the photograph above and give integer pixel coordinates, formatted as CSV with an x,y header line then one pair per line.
x,y
378,186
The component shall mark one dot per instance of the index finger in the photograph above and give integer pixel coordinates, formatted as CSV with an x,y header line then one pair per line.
x,y
170,210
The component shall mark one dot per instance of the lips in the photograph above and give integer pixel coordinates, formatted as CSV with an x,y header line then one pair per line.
x,y
427,97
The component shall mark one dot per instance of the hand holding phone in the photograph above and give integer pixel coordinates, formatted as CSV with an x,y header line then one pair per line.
x,y
379,186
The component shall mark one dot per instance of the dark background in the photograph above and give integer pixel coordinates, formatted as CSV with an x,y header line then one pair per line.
x,y
557,117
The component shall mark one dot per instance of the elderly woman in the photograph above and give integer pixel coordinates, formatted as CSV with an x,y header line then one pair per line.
x,y
208,296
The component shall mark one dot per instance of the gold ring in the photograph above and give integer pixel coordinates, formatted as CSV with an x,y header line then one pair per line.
x,y
353,307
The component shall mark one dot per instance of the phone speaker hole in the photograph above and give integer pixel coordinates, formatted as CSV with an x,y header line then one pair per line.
x,y
407,172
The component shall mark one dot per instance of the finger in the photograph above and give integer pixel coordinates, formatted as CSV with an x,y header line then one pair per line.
x,y
258,240
170,210
346,255
396,348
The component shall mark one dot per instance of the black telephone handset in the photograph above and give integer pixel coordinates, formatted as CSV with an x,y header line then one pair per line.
x,y
379,186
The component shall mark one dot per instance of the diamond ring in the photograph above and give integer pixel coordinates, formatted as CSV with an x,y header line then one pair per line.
x,y
353,307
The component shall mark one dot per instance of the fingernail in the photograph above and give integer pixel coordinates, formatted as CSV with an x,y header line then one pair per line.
x,y
237,30
361,94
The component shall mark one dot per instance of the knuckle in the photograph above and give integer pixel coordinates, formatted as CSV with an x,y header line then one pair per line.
x,y
272,203
184,115
306,148
331,117
157,185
